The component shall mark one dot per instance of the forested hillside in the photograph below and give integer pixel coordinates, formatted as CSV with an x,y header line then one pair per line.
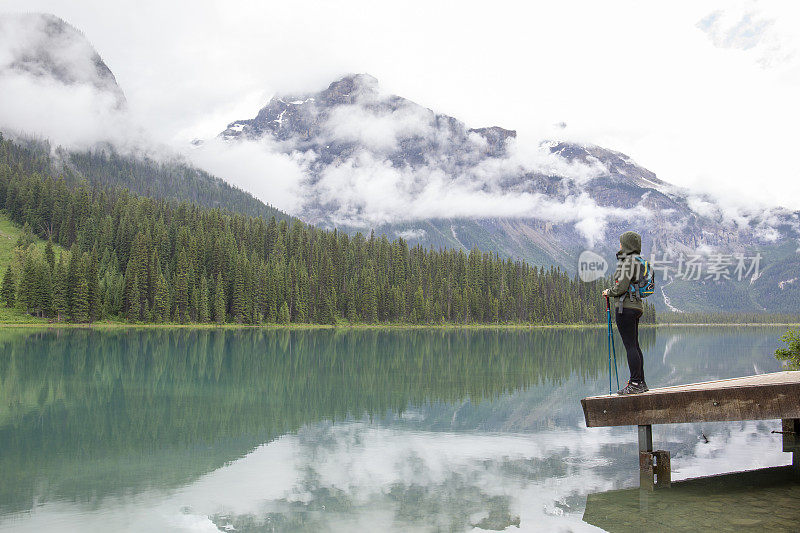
x,y
156,260
173,180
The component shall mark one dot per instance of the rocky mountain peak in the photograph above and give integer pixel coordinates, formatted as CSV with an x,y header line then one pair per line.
x,y
45,47
351,89
496,138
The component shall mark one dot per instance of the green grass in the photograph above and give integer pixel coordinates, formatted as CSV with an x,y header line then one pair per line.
x,y
9,234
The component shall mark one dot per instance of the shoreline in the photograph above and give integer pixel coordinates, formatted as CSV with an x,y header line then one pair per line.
x,y
390,326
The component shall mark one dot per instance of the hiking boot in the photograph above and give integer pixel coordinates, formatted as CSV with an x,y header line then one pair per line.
x,y
633,388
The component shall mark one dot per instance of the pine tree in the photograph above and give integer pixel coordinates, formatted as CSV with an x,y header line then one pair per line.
x,y
134,299
49,254
80,300
219,300
203,310
26,238
238,297
93,285
44,289
8,290
418,314
283,314
73,268
369,305
28,293
60,306
182,287
161,304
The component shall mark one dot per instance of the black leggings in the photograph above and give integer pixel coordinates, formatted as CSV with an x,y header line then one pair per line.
x,y
628,326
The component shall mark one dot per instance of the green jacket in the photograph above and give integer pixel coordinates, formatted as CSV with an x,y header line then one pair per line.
x,y
627,270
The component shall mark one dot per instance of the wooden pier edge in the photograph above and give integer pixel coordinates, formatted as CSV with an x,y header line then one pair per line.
x,y
759,397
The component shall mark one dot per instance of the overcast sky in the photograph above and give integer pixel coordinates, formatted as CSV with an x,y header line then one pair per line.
x,y
704,94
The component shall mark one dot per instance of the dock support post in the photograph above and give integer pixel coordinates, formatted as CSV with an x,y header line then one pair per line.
x,y
791,439
663,468
646,474
650,474
646,438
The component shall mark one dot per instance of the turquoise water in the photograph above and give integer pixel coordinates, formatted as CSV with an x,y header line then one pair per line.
x,y
215,430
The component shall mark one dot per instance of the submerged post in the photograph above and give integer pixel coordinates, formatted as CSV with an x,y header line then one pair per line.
x,y
646,438
654,465
646,477
791,439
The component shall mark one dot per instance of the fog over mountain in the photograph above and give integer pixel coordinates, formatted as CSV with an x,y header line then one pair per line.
x,y
56,85
355,157
362,160
46,47
59,95
367,159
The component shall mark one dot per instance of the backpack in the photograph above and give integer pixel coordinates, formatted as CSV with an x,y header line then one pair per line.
x,y
646,284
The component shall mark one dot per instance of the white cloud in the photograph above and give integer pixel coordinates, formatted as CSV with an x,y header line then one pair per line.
x,y
525,154
762,28
77,115
366,190
55,47
630,76
412,234
53,87
257,167
379,129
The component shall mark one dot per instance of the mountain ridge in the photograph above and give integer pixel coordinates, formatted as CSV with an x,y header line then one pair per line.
x,y
552,200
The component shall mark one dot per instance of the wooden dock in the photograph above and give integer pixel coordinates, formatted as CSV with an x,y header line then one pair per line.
x,y
760,397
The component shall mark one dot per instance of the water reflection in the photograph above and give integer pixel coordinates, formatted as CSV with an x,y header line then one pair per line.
x,y
315,430
763,499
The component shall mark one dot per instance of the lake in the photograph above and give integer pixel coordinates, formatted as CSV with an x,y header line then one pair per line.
x,y
360,430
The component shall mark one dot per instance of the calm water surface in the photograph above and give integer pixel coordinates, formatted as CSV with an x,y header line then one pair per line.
x,y
247,430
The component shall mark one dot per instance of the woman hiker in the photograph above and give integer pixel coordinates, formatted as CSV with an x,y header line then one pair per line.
x,y
628,305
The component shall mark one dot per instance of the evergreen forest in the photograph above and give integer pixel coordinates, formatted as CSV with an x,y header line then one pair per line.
x,y
112,254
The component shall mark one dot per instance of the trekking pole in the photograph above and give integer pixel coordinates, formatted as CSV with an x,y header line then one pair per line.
x,y
613,349
612,352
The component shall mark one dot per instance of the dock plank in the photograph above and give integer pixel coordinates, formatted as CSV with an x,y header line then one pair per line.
x,y
760,397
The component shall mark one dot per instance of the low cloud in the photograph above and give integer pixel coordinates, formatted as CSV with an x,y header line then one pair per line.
x,y
75,116
366,189
258,167
55,86
412,234
757,27
378,129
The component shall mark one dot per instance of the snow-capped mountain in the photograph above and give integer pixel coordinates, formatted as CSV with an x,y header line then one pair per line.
x,y
378,161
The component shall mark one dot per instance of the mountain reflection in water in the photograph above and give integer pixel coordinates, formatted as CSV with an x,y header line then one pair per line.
x,y
262,430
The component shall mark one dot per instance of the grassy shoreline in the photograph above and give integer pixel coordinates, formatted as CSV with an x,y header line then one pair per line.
x,y
122,325
345,326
